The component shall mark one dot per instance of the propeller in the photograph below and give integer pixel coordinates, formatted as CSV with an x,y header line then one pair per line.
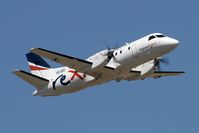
x,y
164,61
160,60
110,54
109,50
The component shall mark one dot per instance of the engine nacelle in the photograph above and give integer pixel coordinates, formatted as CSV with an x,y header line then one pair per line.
x,y
146,68
99,59
150,67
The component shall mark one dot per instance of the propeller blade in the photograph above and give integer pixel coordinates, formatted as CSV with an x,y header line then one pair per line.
x,y
106,43
165,61
158,61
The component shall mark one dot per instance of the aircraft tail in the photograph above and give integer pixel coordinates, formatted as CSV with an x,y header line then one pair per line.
x,y
39,66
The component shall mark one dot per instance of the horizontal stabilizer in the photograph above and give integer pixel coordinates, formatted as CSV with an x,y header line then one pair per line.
x,y
157,74
34,80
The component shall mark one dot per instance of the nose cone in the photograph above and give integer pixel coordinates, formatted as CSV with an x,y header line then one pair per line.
x,y
173,42
169,43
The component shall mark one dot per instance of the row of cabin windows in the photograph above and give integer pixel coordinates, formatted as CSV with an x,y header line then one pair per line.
x,y
121,51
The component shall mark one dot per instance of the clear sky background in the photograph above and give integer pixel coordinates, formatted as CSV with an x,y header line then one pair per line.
x,y
78,28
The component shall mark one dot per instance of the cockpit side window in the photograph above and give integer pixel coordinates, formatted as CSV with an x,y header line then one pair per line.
x,y
160,36
151,37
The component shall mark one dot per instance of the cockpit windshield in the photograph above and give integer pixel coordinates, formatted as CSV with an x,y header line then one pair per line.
x,y
160,36
156,36
151,37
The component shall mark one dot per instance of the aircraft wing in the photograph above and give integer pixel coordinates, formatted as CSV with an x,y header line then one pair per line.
x,y
72,62
158,74
34,80
136,75
133,75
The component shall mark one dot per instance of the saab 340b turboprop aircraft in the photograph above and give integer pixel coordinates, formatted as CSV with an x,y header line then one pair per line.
x,y
133,61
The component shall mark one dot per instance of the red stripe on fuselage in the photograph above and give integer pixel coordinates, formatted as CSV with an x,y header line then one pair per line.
x,y
37,68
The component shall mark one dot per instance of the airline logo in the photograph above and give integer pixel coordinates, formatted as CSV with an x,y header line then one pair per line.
x,y
62,78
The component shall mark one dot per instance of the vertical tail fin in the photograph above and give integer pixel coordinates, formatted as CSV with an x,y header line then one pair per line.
x,y
38,66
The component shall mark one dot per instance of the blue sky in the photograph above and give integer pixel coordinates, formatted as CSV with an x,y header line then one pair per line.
x,y
77,28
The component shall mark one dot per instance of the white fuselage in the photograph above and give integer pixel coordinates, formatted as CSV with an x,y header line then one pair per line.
x,y
126,58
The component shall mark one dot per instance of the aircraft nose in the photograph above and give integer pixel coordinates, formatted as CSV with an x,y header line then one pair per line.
x,y
169,43
173,42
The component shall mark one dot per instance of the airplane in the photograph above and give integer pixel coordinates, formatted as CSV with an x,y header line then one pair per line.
x,y
137,60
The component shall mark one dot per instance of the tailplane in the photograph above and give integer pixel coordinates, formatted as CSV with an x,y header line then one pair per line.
x,y
36,81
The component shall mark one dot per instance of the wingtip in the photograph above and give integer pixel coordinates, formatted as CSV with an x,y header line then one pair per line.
x,y
183,72
15,70
32,49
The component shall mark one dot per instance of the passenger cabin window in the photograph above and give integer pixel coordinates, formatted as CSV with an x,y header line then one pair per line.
x,y
151,37
129,48
120,51
116,54
160,36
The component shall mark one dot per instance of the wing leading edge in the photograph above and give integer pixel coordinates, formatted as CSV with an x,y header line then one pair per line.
x,y
72,62
80,65
158,74
136,75
34,80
